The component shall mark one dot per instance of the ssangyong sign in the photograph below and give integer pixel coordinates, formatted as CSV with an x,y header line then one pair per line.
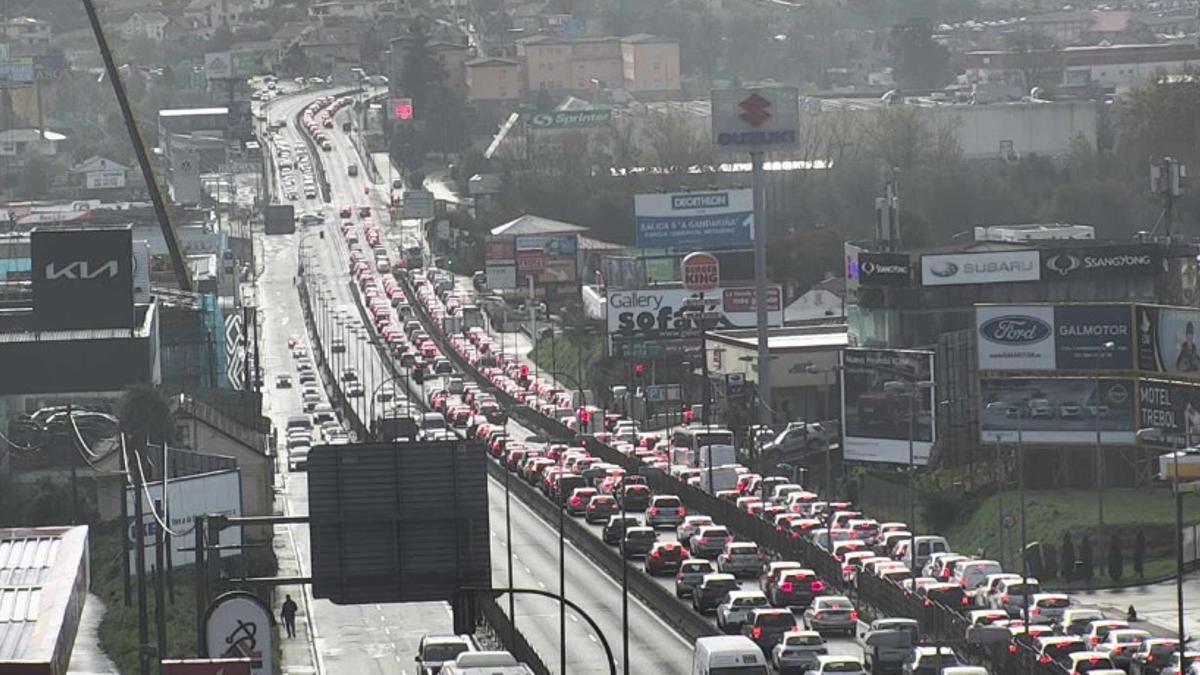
x,y
82,278
980,268
1097,262
884,269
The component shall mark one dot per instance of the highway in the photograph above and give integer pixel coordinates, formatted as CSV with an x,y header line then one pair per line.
x,y
377,638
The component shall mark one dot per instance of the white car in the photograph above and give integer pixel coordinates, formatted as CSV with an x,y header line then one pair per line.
x,y
735,610
842,665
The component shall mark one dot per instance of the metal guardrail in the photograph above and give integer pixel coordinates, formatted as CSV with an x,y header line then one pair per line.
x,y
513,640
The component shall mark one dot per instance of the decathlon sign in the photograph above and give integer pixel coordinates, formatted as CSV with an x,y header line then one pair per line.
x,y
688,221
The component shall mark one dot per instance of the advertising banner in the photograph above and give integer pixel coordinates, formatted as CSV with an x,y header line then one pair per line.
x,y
883,408
747,120
1096,262
1166,340
218,65
884,269
655,321
98,180
549,258
1054,337
82,278
1015,337
217,492
1173,408
570,119
695,220
1063,410
501,249
501,277
417,204
979,268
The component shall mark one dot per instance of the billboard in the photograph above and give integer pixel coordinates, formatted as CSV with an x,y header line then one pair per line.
x,y
749,120
1058,410
1171,407
217,492
82,278
1166,340
953,269
417,204
280,219
569,119
884,269
1054,337
551,258
695,220
501,277
398,522
1097,262
883,408
653,322
16,73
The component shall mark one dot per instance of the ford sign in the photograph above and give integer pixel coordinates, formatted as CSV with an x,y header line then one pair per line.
x,y
1015,330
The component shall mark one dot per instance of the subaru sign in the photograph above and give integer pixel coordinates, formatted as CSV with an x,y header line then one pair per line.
x,y
1049,337
695,220
980,268
1100,261
82,278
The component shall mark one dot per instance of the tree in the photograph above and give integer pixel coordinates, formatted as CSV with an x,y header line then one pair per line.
x,y
677,146
294,62
919,62
221,40
1116,558
1158,120
1066,555
1087,571
1049,562
35,176
1139,554
145,416
1036,56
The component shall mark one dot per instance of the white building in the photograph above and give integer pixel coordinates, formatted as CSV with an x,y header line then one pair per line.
x,y
148,25
16,142
1119,66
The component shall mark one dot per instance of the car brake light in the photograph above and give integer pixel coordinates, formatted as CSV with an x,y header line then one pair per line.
x,y
847,569
1035,611
681,512
1043,659
1118,649
1150,659
816,587
757,633
575,501
929,603
964,601
653,512
786,587
656,554
1005,599
1095,640
962,582
1012,648
853,616
701,540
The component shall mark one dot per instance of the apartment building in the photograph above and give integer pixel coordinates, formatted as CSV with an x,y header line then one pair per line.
x,y
636,63
493,80
1119,66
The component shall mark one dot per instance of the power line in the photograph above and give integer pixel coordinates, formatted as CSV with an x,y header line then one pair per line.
x,y
150,499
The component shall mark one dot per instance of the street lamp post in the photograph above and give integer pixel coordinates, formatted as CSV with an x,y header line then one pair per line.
x,y
1179,447
1105,349
912,466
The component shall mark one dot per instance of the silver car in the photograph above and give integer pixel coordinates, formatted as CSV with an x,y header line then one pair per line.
x,y
798,651
689,526
664,511
831,613
691,573
710,541
735,610
741,559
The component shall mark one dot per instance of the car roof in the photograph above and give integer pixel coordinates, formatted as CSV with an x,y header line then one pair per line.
x,y
719,576
747,594
822,659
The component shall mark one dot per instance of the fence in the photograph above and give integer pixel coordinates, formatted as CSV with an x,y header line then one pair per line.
x,y
513,640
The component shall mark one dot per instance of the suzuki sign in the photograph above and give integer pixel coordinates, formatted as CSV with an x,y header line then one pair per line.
x,y
753,120
82,278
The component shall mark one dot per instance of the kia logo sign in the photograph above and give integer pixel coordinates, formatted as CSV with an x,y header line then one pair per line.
x,y
82,277
1015,330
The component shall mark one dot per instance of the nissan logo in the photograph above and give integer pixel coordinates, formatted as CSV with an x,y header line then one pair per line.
x,y
944,268
1015,330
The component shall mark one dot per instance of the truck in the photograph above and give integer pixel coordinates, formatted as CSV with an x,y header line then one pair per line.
x,y
719,454
887,643
724,477
472,317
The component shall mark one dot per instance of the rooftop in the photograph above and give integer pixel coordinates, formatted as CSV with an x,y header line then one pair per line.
x,y
824,336
188,112
531,224
40,570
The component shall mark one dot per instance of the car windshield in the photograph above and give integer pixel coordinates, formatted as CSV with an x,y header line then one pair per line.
x,y
826,603
667,503
443,652
640,535
722,584
776,620
750,602
1053,602
842,667
738,670
804,641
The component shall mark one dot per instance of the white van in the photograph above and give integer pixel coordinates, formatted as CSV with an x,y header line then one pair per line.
x,y
728,655
486,663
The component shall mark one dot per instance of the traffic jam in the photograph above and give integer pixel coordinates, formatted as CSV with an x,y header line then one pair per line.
x,y
949,612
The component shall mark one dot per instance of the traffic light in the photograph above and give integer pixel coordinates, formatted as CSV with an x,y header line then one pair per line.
x,y
639,370
585,416
524,372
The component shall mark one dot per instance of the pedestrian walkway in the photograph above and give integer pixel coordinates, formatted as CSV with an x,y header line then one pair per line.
x,y
1155,604
86,656
299,655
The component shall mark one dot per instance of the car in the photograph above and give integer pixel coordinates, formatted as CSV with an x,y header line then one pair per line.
x,y
710,541
578,501
767,626
1048,607
796,588
634,497
615,528
733,612
691,572
842,665
665,511
926,660
1088,662
1056,648
1009,594
711,591
337,346
1120,644
665,557
1191,658
1077,620
1152,655
741,559
1070,410
948,594
831,613
355,390
685,529
638,541
1097,630
283,381
798,651
434,652
600,508
970,574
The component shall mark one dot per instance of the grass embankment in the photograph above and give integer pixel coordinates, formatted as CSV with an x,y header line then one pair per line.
x,y
562,355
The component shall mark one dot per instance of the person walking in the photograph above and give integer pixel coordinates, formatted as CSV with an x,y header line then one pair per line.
x,y
288,612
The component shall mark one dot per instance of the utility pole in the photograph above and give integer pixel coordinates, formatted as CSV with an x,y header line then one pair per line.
x,y
1164,180
140,564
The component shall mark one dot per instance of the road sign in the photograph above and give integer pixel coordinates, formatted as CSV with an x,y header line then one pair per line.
x,y
218,65
238,625
701,271
755,119
417,204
